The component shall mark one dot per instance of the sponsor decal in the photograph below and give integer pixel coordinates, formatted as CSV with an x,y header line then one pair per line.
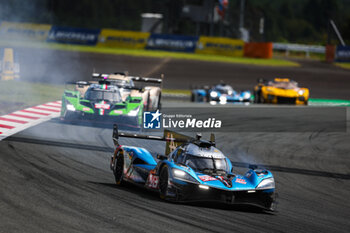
x,y
249,174
24,31
123,39
152,181
220,46
118,111
157,120
172,42
86,109
102,105
241,181
206,178
343,53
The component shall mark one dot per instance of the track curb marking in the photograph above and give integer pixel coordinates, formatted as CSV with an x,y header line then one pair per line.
x,y
22,119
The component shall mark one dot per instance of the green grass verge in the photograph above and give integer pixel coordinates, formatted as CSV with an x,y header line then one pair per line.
x,y
343,65
329,102
156,54
176,92
15,95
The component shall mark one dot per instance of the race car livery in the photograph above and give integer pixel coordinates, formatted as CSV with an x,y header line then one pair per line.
x,y
280,91
101,102
194,170
221,93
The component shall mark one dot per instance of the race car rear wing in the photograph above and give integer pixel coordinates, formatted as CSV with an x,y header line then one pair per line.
x,y
173,139
146,79
134,78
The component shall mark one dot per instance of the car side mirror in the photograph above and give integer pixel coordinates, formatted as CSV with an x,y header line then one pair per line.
x,y
162,157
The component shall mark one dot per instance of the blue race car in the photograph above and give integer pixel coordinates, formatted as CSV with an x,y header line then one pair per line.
x,y
193,170
221,93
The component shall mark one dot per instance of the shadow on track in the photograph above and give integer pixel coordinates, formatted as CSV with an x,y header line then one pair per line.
x,y
96,124
236,164
154,196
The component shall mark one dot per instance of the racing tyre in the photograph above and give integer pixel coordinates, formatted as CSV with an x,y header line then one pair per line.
x,y
118,168
163,182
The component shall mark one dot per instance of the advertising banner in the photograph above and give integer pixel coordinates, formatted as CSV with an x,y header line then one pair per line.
x,y
123,39
24,31
68,35
172,43
342,54
220,46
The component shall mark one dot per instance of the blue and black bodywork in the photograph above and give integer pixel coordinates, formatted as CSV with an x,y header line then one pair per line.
x,y
194,170
221,93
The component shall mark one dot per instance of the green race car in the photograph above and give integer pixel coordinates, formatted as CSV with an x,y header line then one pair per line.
x,y
101,102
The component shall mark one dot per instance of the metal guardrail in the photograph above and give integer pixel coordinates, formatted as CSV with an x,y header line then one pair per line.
x,y
300,48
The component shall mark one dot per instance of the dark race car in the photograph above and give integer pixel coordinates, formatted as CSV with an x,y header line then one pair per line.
x,y
193,170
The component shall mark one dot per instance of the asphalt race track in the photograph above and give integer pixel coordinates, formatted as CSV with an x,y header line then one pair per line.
x,y
55,177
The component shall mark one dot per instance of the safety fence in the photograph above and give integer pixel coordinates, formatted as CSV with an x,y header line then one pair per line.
x,y
14,31
143,40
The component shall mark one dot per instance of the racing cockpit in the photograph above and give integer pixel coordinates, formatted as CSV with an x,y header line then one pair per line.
x,y
96,94
224,89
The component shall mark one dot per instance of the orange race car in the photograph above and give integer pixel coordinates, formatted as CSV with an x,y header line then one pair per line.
x,y
280,91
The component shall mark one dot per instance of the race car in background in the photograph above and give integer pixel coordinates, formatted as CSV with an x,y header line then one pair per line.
x,y
192,169
280,91
220,93
137,86
101,102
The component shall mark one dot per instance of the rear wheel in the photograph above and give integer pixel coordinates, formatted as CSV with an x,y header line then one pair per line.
x,y
118,168
192,97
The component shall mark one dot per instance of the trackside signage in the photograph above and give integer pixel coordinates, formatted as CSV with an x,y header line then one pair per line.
x,y
24,31
73,35
172,43
343,53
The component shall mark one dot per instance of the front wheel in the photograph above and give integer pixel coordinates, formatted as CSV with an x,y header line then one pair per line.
x,y
118,168
163,182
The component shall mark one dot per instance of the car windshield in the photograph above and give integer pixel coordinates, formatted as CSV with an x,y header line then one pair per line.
x,y
112,96
123,83
283,85
199,163
224,89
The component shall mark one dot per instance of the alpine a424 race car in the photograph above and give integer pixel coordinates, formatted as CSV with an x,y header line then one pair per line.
x,y
280,91
220,93
192,170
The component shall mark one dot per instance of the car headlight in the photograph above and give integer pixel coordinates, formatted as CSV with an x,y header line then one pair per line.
x,y
213,94
268,183
247,95
134,112
182,175
70,107
301,92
